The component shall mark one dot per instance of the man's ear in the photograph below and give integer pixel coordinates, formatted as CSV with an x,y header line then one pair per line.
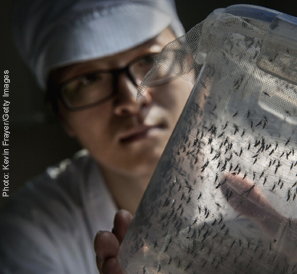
x,y
64,122
67,128
58,112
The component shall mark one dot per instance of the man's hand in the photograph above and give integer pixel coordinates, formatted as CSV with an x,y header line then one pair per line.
x,y
106,244
247,199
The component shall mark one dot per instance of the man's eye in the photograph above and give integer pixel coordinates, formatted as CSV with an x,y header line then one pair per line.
x,y
149,59
90,79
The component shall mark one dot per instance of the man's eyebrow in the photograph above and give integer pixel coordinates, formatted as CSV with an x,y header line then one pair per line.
x,y
62,74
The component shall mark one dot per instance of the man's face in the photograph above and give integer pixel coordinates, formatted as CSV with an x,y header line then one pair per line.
x,y
122,135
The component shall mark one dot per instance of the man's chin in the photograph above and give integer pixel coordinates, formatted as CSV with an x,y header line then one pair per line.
x,y
140,166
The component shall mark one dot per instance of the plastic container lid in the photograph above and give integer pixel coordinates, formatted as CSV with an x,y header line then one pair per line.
x,y
253,12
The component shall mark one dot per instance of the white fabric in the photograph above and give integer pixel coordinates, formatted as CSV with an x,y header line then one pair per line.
x,y
50,34
49,227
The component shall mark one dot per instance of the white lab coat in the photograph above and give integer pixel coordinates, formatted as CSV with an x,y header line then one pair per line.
x,y
49,226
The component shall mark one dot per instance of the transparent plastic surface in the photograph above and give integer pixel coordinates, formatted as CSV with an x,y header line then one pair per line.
x,y
223,198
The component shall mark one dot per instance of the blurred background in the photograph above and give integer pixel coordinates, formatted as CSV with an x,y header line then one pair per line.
x,y
37,140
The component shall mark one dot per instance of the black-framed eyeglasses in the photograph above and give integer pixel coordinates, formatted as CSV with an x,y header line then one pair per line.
x,y
94,88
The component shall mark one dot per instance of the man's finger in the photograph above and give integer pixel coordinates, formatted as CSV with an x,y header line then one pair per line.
x,y
249,200
112,266
122,221
244,196
106,246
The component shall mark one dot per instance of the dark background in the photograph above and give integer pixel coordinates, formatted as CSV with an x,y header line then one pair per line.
x,y
37,140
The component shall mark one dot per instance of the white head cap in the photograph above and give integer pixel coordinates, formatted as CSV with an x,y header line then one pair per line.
x,y
55,33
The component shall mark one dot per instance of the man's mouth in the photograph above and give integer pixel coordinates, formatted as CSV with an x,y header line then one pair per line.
x,y
138,133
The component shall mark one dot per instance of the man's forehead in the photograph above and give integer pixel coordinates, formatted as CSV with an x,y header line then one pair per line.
x,y
155,44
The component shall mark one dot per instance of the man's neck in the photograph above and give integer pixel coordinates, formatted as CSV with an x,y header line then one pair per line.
x,y
126,190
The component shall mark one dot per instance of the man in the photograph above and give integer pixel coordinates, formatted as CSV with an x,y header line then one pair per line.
x,y
91,57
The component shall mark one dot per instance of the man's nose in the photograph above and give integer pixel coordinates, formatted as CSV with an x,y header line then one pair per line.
x,y
125,101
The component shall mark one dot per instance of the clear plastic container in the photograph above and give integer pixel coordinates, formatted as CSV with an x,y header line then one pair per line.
x,y
223,198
